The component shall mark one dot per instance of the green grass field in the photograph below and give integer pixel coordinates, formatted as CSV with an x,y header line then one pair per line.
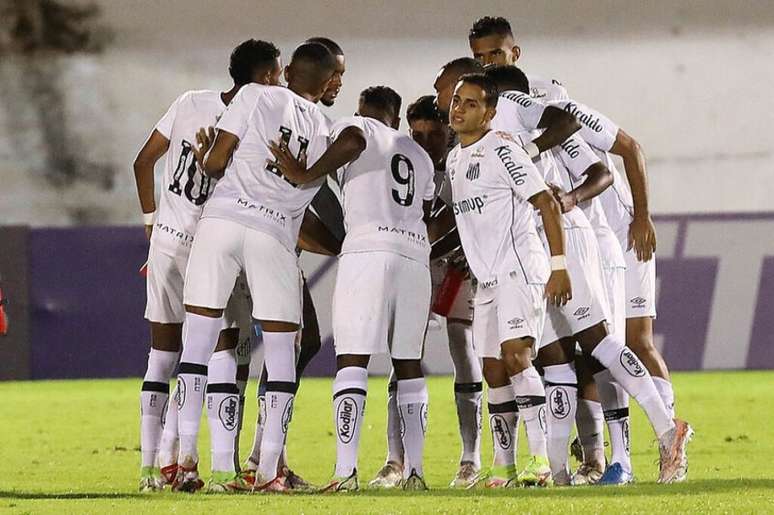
x,y
73,447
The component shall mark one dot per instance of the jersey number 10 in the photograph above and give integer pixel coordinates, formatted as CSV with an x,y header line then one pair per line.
x,y
285,135
187,163
404,176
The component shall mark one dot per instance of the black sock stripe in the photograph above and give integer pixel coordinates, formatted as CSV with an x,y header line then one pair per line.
x,y
353,391
192,368
153,386
281,386
570,385
468,387
392,387
505,407
616,414
530,401
223,388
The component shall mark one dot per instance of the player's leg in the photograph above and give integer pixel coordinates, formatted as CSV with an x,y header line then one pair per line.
x,y
239,315
589,421
503,423
391,473
310,333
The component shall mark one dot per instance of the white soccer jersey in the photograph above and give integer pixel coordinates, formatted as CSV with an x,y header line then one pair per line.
x,y
546,89
383,192
492,181
253,192
184,188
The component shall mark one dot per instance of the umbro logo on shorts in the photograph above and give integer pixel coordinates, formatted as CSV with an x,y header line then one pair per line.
x,y
474,171
582,312
638,302
515,323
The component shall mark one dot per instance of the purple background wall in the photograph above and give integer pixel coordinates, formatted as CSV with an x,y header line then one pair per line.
x,y
86,299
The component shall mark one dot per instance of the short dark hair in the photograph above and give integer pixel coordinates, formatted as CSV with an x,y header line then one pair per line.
x,y
249,56
424,108
331,45
463,65
488,26
508,78
315,58
488,85
382,98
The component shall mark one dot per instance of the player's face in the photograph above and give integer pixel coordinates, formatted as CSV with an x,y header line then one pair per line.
x,y
469,112
329,97
273,78
432,136
444,88
495,50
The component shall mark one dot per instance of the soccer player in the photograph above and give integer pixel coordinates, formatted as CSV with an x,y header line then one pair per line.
x,y
251,223
583,319
429,129
170,231
382,295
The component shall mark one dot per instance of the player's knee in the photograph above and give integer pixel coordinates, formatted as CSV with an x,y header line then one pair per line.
x,y
495,373
243,372
352,360
407,368
310,341
227,340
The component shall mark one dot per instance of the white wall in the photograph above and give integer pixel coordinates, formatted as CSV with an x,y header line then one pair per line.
x,y
691,80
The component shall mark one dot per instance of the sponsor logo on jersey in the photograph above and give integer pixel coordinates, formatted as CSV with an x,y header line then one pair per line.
x,y
488,284
346,418
582,312
468,205
504,153
227,412
266,212
587,119
515,323
415,237
474,171
630,362
559,402
638,302
182,237
571,148
520,98
500,432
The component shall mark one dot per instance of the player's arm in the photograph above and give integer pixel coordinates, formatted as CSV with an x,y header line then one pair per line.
x,y
558,290
583,165
347,147
223,148
558,124
153,150
315,237
642,232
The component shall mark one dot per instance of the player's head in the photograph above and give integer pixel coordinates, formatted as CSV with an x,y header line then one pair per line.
x,y
491,41
381,103
508,78
310,70
329,97
255,61
428,128
473,104
449,75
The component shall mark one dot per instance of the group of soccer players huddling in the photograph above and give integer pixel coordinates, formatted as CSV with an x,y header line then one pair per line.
x,y
501,208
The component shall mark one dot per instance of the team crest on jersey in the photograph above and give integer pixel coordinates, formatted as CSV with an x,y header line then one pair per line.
x,y
474,171
479,152
507,136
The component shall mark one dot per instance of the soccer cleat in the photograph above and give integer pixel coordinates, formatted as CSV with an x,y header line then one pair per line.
x,y
342,484
389,476
537,473
296,482
588,474
562,478
227,482
150,480
497,477
415,482
673,460
168,475
467,476
616,475
278,485
576,450
188,479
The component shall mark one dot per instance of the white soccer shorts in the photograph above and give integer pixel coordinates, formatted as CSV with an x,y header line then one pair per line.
x,y
615,285
640,286
380,305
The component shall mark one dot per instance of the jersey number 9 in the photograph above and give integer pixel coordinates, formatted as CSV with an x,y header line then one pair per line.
x,y
404,176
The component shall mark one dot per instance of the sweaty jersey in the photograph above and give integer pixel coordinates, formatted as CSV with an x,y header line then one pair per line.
x,y
253,192
383,192
184,188
492,181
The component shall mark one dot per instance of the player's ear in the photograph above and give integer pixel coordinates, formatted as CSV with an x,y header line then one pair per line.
x,y
516,53
490,114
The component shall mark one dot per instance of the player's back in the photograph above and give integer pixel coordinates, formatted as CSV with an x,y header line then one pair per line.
x,y
383,192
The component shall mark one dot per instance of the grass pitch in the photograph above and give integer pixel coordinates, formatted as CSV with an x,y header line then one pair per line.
x,y
73,447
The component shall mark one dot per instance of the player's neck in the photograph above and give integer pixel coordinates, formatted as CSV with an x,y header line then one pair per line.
x,y
299,90
470,138
227,96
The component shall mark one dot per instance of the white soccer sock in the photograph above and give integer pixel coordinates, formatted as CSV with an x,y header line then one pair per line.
x,y
168,447
222,409
349,398
562,400
241,387
200,336
468,390
504,425
394,438
280,360
629,372
531,400
615,403
412,404
667,394
260,423
153,402
590,422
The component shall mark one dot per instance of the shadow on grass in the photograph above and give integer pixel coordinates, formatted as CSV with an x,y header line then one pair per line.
x,y
701,486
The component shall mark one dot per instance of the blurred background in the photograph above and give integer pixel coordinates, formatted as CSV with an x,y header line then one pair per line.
x,y
83,83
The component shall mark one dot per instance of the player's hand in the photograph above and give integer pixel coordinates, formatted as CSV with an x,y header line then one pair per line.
x,y
642,237
148,231
293,169
204,141
566,200
558,289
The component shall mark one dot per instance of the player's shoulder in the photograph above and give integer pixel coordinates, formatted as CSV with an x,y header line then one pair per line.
x,y
514,97
503,145
199,97
546,89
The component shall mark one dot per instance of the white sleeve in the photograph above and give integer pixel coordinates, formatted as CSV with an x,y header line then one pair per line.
x,y
597,130
164,126
518,171
348,121
430,172
238,112
576,156
527,111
